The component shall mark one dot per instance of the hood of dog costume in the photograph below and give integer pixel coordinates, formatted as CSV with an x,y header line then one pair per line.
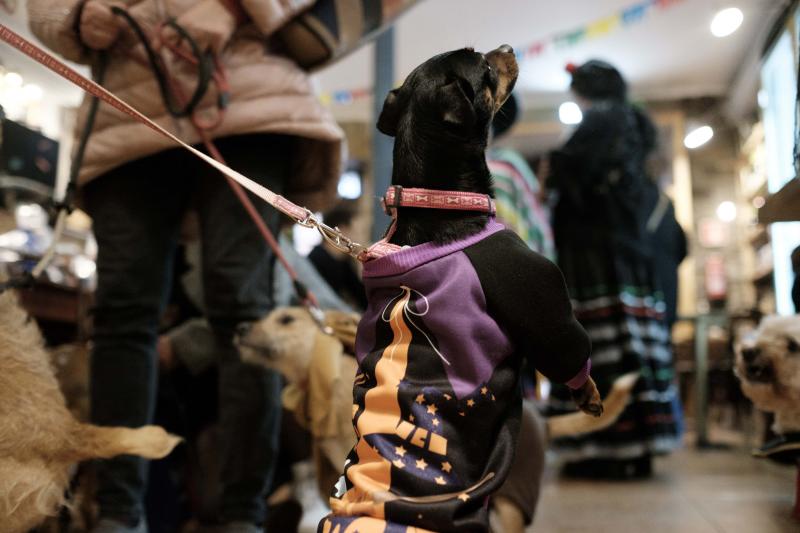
x,y
422,267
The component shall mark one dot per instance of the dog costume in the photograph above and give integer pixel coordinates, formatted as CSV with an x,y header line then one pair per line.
x,y
437,396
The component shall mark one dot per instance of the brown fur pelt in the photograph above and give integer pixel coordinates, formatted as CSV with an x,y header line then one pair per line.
x,y
71,366
768,365
40,440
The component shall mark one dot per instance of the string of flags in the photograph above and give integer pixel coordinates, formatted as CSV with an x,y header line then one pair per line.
x,y
344,97
621,20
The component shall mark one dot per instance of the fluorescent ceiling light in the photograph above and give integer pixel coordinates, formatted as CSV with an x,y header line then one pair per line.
x,y
726,22
698,137
12,79
83,267
726,211
349,185
763,99
32,92
569,113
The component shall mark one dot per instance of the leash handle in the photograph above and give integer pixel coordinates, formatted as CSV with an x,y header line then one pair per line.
x,y
201,60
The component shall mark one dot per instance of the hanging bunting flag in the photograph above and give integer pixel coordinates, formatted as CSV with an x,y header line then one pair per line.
x,y
535,49
636,13
602,27
569,39
623,19
663,4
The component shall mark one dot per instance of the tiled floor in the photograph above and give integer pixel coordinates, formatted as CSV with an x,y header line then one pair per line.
x,y
715,491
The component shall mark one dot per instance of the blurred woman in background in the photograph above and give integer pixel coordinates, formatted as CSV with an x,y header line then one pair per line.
x,y
600,188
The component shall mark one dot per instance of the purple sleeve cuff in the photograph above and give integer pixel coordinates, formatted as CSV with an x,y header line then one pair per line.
x,y
580,378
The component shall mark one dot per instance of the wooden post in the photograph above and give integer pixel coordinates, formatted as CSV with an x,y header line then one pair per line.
x,y
381,144
796,513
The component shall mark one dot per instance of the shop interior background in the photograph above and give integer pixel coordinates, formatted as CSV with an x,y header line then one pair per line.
x,y
723,94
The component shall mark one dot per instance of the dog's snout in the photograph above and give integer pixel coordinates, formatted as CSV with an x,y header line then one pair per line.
x,y
750,354
506,49
243,329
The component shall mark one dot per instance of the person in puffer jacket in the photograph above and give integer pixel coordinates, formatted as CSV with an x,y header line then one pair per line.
x,y
137,187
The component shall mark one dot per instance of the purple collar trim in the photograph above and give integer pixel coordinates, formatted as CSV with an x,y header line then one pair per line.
x,y
407,258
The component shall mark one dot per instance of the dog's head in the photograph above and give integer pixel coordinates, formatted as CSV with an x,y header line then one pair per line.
x,y
452,94
284,340
768,363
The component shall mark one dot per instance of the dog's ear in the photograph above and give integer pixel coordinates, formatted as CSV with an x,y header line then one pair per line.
x,y
456,104
390,114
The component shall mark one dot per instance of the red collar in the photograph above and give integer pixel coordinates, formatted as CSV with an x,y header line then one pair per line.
x,y
396,196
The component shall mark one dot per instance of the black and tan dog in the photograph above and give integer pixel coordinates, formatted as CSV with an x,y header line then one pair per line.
x,y
455,302
440,118
320,367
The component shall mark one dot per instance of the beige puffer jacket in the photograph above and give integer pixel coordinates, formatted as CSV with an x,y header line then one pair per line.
x,y
269,93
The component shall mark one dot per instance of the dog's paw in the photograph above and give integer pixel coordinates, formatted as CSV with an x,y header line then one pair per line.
x,y
587,398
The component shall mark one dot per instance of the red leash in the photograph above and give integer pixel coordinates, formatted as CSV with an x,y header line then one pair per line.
x,y
299,214
395,196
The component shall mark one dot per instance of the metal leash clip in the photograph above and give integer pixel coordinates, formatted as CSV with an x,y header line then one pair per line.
x,y
333,236
318,315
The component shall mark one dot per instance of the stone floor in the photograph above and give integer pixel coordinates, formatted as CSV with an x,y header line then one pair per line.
x,y
710,491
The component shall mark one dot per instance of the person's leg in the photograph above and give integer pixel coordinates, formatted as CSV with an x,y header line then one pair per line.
x,y
136,211
237,275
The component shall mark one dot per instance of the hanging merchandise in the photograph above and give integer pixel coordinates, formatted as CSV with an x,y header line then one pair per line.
x,y
334,28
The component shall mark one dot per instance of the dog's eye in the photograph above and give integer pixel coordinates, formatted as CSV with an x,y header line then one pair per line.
x,y
793,345
286,320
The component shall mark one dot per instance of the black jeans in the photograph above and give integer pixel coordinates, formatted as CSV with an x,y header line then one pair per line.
x,y
137,211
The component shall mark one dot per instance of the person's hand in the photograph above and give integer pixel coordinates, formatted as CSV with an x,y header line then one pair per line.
x,y
99,27
208,22
587,398
166,355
